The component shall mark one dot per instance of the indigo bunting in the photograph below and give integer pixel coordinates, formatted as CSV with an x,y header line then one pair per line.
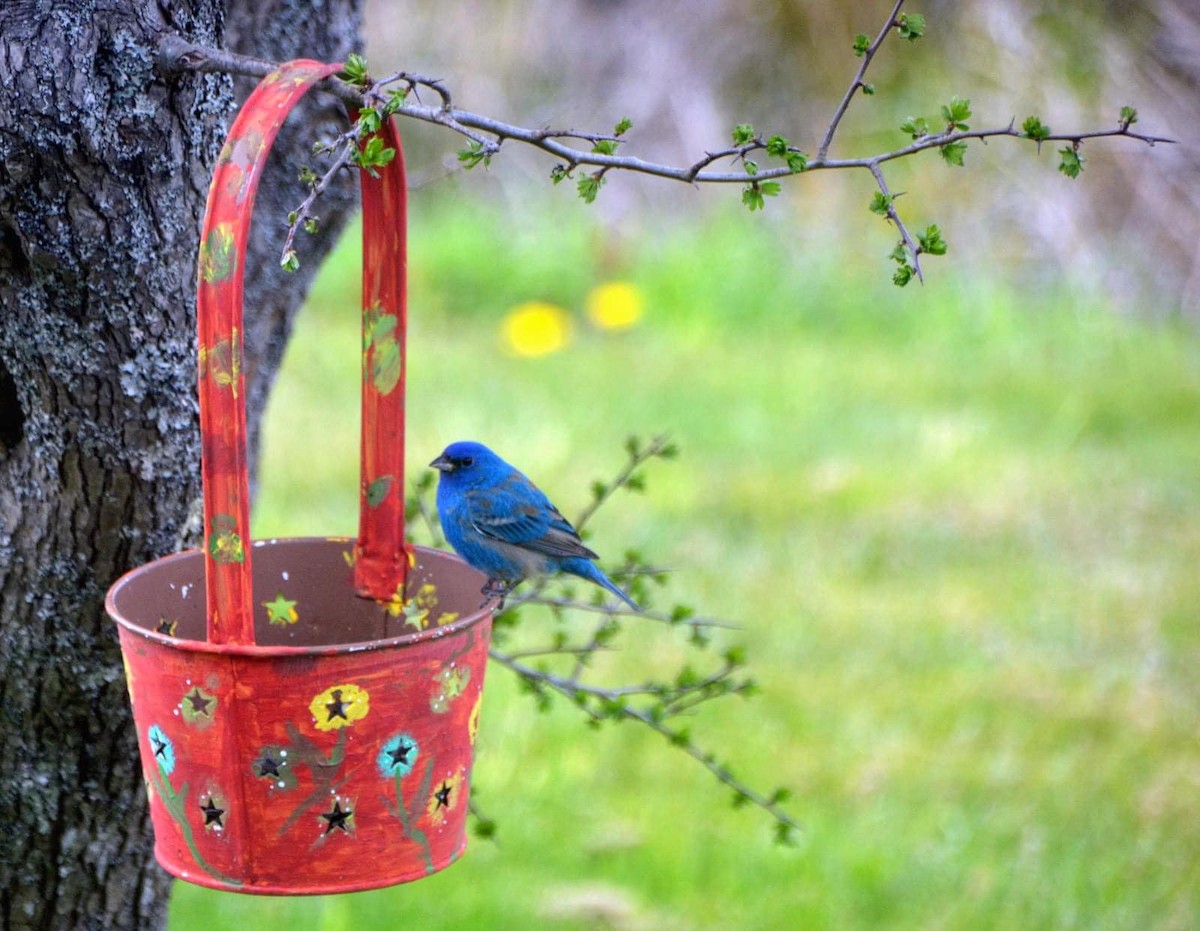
x,y
500,523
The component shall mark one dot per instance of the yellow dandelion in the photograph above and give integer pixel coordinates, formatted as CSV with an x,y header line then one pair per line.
x,y
339,706
536,328
615,305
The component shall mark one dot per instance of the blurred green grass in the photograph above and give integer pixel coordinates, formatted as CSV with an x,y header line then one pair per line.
x,y
959,526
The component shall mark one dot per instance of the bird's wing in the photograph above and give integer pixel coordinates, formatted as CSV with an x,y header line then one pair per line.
x,y
514,511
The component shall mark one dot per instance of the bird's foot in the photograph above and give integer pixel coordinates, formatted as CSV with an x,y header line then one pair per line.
x,y
495,588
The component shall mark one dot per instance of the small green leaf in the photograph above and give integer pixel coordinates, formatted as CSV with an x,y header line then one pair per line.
x,y
881,203
369,121
956,113
777,147
868,89
751,167
1033,128
589,186
900,253
605,147
743,134
623,126
290,262
474,154
373,154
784,834
355,69
1128,117
904,274
910,26
752,197
915,126
797,162
953,152
1071,162
311,225
931,240
395,99
559,172
862,42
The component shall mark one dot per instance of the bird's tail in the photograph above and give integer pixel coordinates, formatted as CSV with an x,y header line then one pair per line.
x,y
586,569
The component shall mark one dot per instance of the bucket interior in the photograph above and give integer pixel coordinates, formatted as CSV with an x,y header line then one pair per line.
x,y
303,596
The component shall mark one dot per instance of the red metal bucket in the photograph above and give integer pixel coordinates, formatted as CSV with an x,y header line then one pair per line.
x,y
306,708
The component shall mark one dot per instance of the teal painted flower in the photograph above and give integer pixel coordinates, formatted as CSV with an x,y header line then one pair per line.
x,y
162,748
398,756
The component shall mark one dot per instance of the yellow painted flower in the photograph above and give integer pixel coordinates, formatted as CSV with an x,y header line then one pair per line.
x,y
445,796
616,305
536,328
339,706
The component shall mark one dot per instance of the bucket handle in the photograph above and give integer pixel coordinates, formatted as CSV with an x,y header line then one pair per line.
x,y
381,557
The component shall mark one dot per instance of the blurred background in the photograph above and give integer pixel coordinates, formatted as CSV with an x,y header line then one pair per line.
x,y
956,524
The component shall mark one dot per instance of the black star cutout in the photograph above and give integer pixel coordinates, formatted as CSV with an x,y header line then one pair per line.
x,y
399,754
337,707
199,703
213,814
443,795
267,765
337,818
160,746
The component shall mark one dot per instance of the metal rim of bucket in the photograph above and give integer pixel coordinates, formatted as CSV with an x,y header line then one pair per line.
x,y
266,652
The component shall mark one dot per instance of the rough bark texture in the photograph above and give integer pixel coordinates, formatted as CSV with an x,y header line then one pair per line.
x,y
104,163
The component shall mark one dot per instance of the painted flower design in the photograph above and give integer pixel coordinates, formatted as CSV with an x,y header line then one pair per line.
x,y
339,706
397,756
198,706
444,797
224,543
449,684
162,749
273,764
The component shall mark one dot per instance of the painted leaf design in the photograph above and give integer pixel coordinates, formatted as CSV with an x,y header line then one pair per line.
x,y
382,350
218,259
222,362
385,365
378,490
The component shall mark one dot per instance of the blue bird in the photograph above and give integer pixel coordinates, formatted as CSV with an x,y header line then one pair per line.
x,y
500,523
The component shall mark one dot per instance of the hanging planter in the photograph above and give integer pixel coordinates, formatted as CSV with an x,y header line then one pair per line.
x,y
306,708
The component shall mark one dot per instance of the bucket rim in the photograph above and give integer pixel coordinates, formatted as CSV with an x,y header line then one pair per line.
x,y
460,624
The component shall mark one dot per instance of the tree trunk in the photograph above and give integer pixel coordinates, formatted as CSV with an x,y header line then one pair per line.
x,y
104,166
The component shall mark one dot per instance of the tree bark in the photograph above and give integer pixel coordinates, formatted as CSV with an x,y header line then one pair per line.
x,y
104,166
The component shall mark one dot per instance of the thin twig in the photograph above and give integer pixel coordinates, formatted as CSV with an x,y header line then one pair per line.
x,y
827,139
892,215
658,616
570,689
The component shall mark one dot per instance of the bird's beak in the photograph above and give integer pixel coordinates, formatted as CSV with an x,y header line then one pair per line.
x,y
442,464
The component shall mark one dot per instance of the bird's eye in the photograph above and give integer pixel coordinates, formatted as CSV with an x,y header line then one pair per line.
x,y
467,461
